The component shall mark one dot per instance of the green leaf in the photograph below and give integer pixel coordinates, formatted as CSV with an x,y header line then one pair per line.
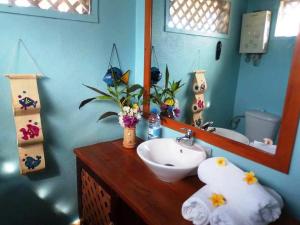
x,y
140,94
96,90
107,114
173,86
134,88
111,91
84,102
105,98
167,77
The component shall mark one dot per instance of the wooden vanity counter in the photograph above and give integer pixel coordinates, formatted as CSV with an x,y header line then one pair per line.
x,y
128,178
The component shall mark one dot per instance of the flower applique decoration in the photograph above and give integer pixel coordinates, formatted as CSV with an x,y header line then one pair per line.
x,y
201,104
217,200
221,161
250,178
30,131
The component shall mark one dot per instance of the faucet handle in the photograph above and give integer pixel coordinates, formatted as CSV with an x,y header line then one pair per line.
x,y
188,132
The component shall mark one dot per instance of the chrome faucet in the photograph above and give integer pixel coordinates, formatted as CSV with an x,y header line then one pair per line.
x,y
207,125
187,139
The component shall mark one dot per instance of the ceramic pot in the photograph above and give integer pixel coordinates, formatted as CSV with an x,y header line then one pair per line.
x,y
129,139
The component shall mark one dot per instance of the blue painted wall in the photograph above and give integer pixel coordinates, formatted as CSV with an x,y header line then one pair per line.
x,y
186,53
263,87
286,184
70,53
139,41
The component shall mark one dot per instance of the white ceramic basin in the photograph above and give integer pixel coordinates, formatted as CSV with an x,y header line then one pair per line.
x,y
233,135
168,160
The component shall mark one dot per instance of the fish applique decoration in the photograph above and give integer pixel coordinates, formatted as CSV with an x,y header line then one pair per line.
x,y
32,163
198,123
27,102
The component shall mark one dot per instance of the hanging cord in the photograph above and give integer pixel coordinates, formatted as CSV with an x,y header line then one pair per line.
x,y
11,59
196,62
20,44
155,56
114,49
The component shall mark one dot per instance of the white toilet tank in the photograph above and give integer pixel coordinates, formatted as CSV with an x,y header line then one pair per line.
x,y
260,125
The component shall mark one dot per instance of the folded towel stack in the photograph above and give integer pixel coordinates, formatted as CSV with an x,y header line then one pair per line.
x,y
246,202
264,147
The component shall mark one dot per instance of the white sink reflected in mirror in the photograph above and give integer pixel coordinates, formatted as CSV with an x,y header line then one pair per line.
x,y
169,160
233,135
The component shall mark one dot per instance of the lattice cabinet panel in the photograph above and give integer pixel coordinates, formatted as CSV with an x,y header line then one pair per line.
x,y
69,6
96,202
198,16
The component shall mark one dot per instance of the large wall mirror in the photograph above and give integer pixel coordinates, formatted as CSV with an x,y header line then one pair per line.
x,y
236,61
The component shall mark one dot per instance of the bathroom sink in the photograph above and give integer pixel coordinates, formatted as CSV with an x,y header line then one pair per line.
x,y
233,135
169,160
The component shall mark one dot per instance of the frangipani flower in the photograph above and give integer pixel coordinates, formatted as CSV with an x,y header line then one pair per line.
x,y
250,178
221,161
217,200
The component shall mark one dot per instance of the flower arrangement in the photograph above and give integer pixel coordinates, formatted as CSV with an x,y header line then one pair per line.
x,y
127,97
165,97
130,116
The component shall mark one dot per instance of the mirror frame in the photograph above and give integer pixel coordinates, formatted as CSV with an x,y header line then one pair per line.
x,y
289,123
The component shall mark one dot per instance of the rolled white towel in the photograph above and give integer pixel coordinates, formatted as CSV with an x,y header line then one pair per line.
x,y
227,215
272,211
251,201
265,147
198,207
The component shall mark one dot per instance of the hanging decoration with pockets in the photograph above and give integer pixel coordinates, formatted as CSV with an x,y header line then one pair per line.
x,y
26,108
114,74
199,88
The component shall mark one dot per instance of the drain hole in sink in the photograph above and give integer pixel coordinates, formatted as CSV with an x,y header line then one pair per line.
x,y
169,164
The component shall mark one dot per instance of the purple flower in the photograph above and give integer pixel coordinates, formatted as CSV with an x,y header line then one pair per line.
x,y
176,112
130,121
164,107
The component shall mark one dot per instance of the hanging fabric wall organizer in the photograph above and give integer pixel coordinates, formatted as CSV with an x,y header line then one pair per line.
x,y
26,108
199,88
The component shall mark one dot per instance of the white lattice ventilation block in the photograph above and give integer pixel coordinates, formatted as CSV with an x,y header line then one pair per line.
x,y
72,6
199,15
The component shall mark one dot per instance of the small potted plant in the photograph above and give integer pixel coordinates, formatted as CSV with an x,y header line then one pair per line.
x,y
165,97
129,99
